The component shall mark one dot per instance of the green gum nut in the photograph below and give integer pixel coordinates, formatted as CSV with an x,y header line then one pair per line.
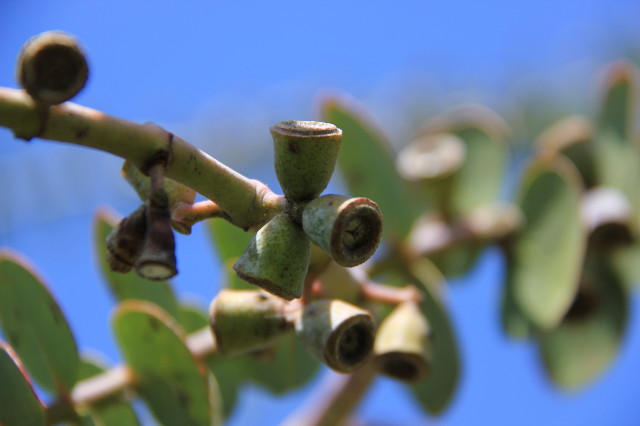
x,y
52,67
337,333
349,229
247,320
305,157
277,258
402,347
433,160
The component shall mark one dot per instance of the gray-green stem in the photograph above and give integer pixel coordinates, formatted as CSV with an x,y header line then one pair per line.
x,y
247,202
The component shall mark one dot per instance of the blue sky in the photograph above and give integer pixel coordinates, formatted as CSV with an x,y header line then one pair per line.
x,y
220,73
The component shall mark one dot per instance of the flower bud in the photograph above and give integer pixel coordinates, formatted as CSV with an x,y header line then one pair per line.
x,y
158,260
305,157
337,333
277,258
349,229
246,320
402,346
125,241
52,68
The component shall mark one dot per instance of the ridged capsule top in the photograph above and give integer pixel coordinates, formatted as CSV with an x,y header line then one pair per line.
x,y
306,128
305,154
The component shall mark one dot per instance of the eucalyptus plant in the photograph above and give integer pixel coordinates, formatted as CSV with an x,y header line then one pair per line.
x,y
315,278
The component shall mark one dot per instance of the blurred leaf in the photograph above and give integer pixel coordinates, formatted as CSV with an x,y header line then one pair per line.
x,y
368,169
169,378
480,178
230,242
514,322
616,152
192,317
571,137
545,258
19,404
284,367
588,338
35,326
436,391
115,410
458,259
130,285
626,262
228,374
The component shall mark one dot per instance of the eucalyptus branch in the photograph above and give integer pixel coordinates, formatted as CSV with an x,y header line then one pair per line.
x,y
247,202
117,379
187,215
338,396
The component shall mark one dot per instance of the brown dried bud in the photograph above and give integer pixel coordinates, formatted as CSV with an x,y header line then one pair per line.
x,y
125,241
158,260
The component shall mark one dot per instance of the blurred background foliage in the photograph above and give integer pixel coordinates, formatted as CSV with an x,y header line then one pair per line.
x,y
220,75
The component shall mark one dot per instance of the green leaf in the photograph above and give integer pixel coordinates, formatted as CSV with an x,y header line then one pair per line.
x,y
170,380
616,154
368,169
514,322
626,262
230,241
436,391
35,326
479,180
228,373
457,260
130,285
545,258
192,317
19,404
284,367
114,410
588,338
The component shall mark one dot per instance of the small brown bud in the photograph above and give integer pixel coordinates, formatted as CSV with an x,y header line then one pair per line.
x,y
157,260
125,241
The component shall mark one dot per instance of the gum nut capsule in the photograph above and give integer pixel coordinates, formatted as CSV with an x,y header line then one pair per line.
x,y
305,157
247,320
158,259
337,333
402,347
52,67
126,240
349,229
277,258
